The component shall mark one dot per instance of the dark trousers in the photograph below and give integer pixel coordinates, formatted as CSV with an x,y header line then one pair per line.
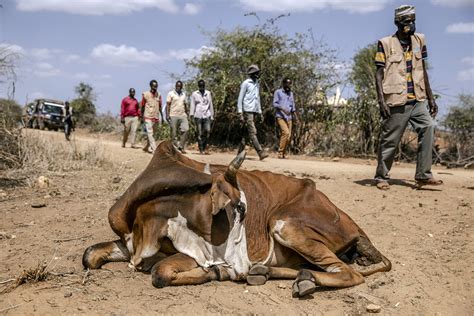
x,y
250,131
419,118
204,129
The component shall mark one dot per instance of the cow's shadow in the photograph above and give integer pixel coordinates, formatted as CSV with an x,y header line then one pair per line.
x,y
400,182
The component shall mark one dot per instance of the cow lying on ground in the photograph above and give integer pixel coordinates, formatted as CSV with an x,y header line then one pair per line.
x,y
189,223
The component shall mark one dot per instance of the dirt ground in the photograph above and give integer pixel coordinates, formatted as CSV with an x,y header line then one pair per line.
x,y
427,234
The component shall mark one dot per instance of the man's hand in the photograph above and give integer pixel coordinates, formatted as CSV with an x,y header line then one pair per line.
x,y
122,120
260,117
433,108
384,110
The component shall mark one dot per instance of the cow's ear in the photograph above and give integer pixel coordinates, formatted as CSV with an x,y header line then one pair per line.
x,y
231,172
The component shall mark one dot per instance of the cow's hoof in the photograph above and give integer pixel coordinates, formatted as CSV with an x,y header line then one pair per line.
x,y
258,275
159,282
304,284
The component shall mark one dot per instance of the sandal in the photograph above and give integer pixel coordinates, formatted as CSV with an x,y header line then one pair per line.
x,y
382,185
430,181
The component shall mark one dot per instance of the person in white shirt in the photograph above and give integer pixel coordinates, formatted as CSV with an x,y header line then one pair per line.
x,y
248,106
177,115
202,111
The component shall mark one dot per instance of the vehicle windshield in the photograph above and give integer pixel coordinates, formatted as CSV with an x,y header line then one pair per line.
x,y
52,109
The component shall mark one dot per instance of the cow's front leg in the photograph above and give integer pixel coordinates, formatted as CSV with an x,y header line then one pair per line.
x,y
99,254
180,269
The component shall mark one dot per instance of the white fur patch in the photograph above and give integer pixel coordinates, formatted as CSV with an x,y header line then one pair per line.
x,y
129,242
117,254
278,226
333,269
232,254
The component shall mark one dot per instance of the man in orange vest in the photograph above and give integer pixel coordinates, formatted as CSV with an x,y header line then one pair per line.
x,y
404,96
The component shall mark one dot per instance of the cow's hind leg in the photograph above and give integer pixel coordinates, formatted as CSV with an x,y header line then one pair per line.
x,y
180,269
307,243
99,254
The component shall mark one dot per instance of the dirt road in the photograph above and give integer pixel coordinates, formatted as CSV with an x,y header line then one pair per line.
x,y
427,234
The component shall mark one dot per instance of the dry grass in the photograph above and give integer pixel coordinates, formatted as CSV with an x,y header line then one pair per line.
x,y
40,152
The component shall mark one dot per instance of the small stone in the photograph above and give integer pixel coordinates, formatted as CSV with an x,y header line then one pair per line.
x,y
335,159
420,204
42,182
38,205
116,180
68,294
431,235
47,196
372,308
282,286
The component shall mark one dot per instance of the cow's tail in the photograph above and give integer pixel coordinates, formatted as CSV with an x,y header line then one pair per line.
x,y
387,266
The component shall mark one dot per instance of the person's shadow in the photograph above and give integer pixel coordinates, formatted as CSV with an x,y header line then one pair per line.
x,y
401,182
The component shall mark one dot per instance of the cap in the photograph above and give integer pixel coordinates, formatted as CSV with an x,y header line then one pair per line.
x,y
252,69
403,10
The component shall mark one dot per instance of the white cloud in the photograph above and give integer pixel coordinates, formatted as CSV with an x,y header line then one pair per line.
x,y
72,58
123,55
96,7
353,6
41,53
468,60
453,3
462,28
43,69
81,76
187,53
191,8
466,75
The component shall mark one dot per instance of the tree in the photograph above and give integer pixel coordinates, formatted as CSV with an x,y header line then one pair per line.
x,y
365,106
83,106
310,64
460,121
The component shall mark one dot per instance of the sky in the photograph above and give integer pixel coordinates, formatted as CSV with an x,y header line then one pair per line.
x,y
116,45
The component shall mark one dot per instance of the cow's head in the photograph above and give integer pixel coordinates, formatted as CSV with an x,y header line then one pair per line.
x,y
226,193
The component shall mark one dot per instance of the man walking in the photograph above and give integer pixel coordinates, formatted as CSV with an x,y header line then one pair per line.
x,y
248,106
403,92
129,114
203,113
284,104
67,120
150,113
176,115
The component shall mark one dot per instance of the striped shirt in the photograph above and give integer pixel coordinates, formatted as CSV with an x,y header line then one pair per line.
x,y
408,54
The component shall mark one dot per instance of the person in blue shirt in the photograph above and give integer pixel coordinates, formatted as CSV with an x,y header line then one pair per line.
x,y
284,104
248,106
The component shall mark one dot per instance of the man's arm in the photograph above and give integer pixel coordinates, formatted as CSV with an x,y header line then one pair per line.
x,y
193,106
429,93
383,107
168,106
243,89
122,111
142,108
211,106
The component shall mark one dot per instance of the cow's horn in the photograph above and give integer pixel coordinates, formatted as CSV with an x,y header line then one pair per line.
x,y
231,173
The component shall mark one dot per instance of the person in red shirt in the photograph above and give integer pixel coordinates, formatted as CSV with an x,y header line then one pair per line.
x,y
129,117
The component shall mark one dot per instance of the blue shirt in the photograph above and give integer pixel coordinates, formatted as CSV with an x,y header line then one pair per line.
x,y
249,97
285,101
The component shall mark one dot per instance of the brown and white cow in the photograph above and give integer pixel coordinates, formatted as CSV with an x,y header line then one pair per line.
x,y
189,223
